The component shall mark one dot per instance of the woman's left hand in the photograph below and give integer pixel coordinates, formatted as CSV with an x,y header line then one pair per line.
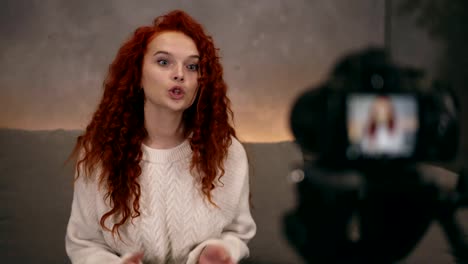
x,y
213,254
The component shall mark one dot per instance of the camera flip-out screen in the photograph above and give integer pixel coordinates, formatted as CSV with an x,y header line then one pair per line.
x,y
381,126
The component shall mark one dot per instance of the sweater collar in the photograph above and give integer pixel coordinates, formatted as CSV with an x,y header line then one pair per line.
x,y
181,151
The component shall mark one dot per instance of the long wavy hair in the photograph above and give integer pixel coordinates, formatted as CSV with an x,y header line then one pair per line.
x,y
111,143
385,103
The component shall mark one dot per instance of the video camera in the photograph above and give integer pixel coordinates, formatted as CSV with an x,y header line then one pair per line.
x,y
371,110
364,195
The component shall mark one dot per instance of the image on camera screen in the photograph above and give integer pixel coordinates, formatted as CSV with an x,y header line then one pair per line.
x,y
381,126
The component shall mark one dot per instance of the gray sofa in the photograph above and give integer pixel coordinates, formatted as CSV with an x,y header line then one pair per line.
x,y
36,192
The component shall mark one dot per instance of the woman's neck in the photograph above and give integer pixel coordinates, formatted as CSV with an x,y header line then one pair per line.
x,y
165,128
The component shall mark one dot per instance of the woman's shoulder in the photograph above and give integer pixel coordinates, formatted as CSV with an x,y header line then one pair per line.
x,y
236,150
236,168
236,161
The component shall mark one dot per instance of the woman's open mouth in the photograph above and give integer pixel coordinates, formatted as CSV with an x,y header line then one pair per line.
x,y
176,93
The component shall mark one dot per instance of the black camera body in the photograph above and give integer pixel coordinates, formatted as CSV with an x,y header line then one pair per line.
x,y
371,111
363,134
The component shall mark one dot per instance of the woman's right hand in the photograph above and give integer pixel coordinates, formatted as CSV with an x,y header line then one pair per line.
x,y
135,258
213,254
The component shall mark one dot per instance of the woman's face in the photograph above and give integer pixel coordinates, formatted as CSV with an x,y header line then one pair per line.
x,y
170,72
382,110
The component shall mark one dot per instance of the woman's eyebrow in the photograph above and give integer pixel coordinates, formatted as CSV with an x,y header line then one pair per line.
x,y
161,52
194,56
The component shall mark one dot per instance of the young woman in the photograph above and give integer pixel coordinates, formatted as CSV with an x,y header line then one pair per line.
x,y
161,177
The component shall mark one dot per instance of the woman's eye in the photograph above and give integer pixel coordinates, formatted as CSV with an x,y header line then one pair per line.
x,y
193,67
163,62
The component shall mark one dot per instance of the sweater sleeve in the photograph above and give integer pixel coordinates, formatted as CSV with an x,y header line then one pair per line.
x,y
84,241
237,234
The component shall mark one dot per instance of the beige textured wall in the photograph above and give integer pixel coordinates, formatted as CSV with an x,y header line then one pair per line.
x,y
54,54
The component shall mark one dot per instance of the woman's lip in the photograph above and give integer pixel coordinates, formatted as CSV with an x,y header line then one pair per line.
x,y
176,92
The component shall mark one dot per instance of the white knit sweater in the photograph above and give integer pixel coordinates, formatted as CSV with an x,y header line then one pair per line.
x,y
176,222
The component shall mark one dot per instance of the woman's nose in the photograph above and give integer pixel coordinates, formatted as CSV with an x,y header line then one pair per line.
x,y
178,74
178,78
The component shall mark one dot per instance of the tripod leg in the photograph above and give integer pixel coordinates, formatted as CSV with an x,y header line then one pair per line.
x,y
456,237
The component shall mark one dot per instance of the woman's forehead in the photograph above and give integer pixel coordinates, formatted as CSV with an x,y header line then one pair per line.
x,y
174,43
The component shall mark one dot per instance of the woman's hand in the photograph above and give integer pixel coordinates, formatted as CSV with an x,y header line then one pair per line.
x,y
135,258
212,254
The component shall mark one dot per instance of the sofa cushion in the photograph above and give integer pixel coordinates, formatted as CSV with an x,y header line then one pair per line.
x,y
36,194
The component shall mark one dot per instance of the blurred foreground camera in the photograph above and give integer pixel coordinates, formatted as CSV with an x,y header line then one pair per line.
x,y
372,110
364,193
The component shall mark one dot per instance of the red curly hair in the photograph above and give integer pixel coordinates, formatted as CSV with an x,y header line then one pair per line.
x,y
112,140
